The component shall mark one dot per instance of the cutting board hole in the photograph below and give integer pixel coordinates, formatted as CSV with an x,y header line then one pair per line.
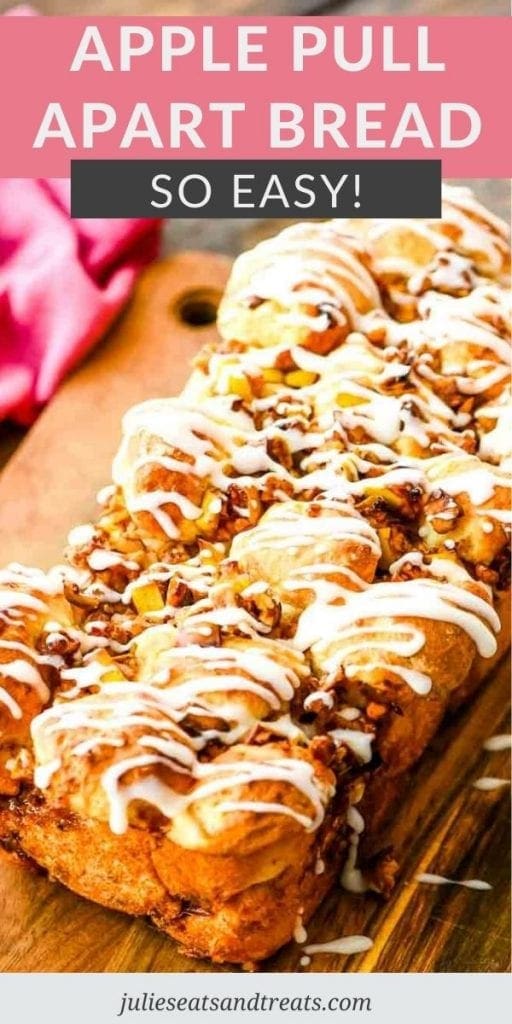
x,y
198,308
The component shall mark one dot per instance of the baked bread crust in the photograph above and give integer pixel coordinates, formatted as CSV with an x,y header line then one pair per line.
x,y
300,568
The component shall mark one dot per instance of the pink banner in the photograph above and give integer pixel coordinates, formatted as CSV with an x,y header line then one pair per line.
x,y
249,88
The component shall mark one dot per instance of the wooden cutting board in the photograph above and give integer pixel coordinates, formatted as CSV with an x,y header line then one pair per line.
x,y
442,826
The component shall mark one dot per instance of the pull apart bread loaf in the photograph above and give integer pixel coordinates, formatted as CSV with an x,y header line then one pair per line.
x,y
302,563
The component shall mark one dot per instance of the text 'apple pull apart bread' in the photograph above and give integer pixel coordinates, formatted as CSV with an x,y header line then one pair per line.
x,y
301,565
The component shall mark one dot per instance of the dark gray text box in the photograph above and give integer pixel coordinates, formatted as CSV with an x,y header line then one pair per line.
x,y
256,188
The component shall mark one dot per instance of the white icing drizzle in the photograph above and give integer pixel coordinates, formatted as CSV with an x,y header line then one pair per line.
x,y
277,682
421,415
496,443
445,322
318,266
10,703
488,782
502,741
319,697
349,714
205,441
418,681
81,535
202,613
481,232
24,594
100,559
213,778
13,601
471,477
468,883
348,945
360,743
466,229
291,520
501,515
194,571
160,702
214,441
261,587
420,598
22,648
105,494
386,418
24,672
351,876
26,588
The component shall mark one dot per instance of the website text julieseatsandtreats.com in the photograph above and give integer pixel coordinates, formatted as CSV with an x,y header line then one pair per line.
x,y
257,1002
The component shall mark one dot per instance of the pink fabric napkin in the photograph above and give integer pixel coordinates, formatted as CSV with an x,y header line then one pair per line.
x,y
62,283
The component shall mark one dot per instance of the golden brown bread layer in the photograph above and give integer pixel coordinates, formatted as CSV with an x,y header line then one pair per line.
x,y
314,298
301,567
226,906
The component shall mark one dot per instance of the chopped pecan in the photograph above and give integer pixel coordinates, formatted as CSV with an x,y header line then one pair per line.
x,y
324,748
314,510
75,597
279,451
502,566
409,571
59,643
241,510
285,362
254,301
375,711
442,511
381,871
276,489
486,574
178,593
263,607
394,543
330,311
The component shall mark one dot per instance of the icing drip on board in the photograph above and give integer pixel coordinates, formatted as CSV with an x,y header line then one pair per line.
x,y
469,883
347,945
502,741
488,782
